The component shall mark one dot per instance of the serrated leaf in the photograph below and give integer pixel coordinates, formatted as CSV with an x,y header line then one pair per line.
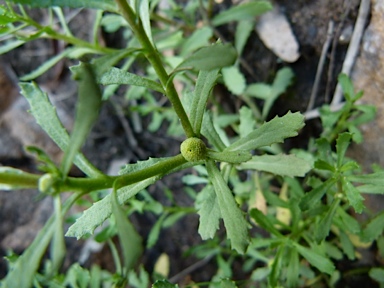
x,y
108,5
233,79
130,240
46,117
284,165
315,259
87,111
101,210
234,222
121,77
204,85
274,131
241,12
374,228
312,198
210,58
353,195
209,212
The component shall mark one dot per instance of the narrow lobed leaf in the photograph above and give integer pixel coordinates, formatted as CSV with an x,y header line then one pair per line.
x,y
274,131
118,76
312,198
315,259
204,85
234,222
46,116
87,111
284,165
210,58
244,11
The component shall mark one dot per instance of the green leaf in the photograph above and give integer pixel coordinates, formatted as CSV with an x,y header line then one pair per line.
x,y
108,5
209,212
293,268
46,65
374,228
234,222
284,165
46,117
274,276
374,183
247,121
353,195
226,283
234,157
155,231
377,274
130,240
243,30
348,222
315,259
264,222
234,79
209,131
312,198
164,284
347,86
101,210
10,45
342,143
347,245
118,76
58,249
324,225
204,85
210,58
242,12
274,131
199,38
283,79
29,262
145,18
87,111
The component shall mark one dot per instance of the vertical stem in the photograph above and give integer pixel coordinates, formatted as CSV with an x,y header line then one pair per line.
x,y
153,57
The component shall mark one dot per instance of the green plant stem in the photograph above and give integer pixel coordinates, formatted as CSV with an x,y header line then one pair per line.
x,y
153,57
24,180
160,168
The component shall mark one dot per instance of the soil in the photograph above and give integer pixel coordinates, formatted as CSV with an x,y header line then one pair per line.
x,y
22,214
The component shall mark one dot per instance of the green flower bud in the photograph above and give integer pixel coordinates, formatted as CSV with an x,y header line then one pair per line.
x,y
193,149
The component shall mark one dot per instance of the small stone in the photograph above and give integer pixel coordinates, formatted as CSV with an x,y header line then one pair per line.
x,y
276,33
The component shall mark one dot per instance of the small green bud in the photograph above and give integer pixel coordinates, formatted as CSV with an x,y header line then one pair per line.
x,y
193,149
46,183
